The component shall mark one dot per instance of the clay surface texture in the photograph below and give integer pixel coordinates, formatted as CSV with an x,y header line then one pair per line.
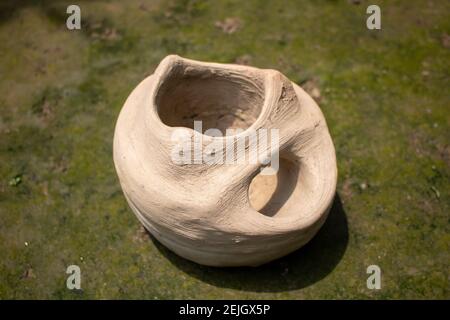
x,y
215,213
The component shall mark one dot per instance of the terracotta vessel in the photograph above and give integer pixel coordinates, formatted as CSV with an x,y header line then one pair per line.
x,y
215,213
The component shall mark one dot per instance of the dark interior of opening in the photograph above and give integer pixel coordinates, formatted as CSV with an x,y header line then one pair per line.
x,y
276,195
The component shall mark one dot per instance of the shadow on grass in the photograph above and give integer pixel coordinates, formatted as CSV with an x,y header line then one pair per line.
x,y
299,269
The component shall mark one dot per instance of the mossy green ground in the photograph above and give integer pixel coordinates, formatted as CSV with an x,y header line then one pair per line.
x,y
384,94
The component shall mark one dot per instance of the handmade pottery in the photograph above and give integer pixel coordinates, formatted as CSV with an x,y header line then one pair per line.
x,y
215,213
